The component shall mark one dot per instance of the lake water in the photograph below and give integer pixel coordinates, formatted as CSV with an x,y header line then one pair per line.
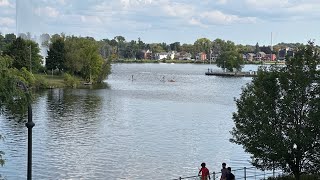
x,y
141,129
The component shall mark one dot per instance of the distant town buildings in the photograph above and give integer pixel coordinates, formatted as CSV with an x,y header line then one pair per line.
x,y
266,55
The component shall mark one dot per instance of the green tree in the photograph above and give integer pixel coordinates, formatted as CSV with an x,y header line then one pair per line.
x,y
175,46
277,118
56,55
202,45
257,49
228,56
20,50
2,43
120,45
9,38
45,40
156,48
83,59
12,96
105,48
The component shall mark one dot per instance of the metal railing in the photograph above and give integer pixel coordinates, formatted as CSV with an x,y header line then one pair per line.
x,y
246,173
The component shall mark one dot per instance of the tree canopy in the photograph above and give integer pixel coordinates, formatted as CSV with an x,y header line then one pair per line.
x,y
79,56
25,53
277,118
56,55
228,55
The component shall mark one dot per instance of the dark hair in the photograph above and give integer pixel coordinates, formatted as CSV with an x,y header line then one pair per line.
x,y
229,168
224,164
203,164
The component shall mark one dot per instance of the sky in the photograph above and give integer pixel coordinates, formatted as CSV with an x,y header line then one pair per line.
x,y
155,21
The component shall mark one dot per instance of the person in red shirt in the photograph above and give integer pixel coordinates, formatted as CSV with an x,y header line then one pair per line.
x,y
204,172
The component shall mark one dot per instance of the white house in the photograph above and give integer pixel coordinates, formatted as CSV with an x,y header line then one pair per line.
x,y
162,55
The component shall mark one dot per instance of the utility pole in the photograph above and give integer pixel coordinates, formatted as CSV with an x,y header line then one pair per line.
x,y
30,59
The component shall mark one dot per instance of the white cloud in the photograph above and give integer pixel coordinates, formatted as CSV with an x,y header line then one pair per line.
x,y
62,2
131,3
5,21
222,1
305,8
178,9
90,19
267,3
217,17
5,3
196,22
48,11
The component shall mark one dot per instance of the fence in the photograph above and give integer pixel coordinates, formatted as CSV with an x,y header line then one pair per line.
x,y
246,173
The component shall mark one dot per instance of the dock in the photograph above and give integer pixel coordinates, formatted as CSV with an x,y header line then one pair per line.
x,y
232,74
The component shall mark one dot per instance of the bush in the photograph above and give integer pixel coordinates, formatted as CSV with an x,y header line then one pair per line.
x,y
41,82
70,80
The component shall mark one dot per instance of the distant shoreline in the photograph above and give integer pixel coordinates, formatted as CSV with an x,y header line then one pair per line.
x,y
188,61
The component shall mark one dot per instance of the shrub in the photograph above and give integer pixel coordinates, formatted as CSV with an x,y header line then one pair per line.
x,y
70,80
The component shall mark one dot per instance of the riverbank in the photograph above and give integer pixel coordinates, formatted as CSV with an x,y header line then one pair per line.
x,y
44,81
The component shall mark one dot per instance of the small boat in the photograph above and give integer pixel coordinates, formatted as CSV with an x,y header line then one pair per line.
x,y
87,83
171,80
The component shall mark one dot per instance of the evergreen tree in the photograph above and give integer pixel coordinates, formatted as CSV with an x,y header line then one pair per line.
x,y
56,55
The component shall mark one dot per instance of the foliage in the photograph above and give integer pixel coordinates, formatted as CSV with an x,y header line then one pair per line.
x,y
56,55
45,39
40,83
277,118
202,45
12,95
20,50
83,59
228,55
70,80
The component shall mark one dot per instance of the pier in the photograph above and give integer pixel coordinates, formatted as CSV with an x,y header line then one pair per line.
x,y
232,74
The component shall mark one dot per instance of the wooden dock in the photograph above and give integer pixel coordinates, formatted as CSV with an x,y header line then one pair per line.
x,y
232,74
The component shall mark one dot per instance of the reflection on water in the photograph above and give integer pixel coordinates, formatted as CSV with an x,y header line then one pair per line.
x,y
144,128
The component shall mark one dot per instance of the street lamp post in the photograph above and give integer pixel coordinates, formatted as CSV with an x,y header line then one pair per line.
x,y
29,125
30,69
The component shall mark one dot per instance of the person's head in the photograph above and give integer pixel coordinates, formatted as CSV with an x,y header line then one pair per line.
x,y
203,164
229,169
224,165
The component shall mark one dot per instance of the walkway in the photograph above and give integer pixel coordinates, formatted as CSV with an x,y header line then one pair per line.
x,y
246,173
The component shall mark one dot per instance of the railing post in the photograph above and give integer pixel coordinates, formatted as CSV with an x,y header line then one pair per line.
x,y
245,173
214,175
179,178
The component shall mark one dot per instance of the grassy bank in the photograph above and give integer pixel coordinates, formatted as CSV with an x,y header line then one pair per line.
x,y
51,81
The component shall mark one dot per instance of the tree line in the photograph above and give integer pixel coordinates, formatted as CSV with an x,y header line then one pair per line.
x,y
78,56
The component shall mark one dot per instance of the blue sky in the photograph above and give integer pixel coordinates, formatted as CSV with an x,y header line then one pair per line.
x,y
241,21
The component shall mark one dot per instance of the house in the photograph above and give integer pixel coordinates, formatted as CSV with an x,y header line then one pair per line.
x,y
270,57
162,55
250,56
201,56
171,55
282,53
260,56
183,56
147,54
